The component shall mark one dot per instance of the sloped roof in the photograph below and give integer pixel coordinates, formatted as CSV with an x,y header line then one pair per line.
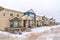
x,y
31,10
24,17
1,8
15,17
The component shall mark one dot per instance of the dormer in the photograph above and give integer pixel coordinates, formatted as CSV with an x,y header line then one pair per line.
x,y
30,12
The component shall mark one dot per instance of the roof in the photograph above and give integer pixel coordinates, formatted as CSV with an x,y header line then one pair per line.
x,y
11,9
1,8
15,17
30,10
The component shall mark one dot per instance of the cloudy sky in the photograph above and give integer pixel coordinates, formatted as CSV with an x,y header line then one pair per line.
x,y
49,8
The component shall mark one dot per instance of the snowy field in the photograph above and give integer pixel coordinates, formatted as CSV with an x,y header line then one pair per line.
x,y
39,33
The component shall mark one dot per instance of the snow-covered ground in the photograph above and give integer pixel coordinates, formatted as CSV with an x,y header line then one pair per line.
x,y
39,33
55,35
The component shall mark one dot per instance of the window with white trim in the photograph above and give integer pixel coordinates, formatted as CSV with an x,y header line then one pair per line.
x,y
4,12
11,13
17,14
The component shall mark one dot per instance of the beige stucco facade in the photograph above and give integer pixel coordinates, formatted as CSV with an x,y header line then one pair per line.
x,y
47,21
39,20
4,20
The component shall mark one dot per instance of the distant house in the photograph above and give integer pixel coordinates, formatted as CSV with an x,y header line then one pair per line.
x,y
39,21
52,21
45,21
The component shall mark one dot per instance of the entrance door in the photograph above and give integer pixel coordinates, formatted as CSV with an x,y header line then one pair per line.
x,y
38,23
16,23
24,23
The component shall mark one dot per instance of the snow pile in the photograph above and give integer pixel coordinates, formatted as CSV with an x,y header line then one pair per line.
x,y
52,36
29,35
5,36
41,29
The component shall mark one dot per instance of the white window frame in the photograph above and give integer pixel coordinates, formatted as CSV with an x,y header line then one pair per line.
x,y
11,12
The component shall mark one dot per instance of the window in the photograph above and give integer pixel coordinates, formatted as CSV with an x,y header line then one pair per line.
x,y
32,16
15,23
38,23
44,18
18,15
11,24
32,23
4,14
11,13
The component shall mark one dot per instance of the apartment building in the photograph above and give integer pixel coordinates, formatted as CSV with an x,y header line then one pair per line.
x,y
12,19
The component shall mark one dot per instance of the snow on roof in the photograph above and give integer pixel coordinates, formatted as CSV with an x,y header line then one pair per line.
x,y
11,9
30,10
49,17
